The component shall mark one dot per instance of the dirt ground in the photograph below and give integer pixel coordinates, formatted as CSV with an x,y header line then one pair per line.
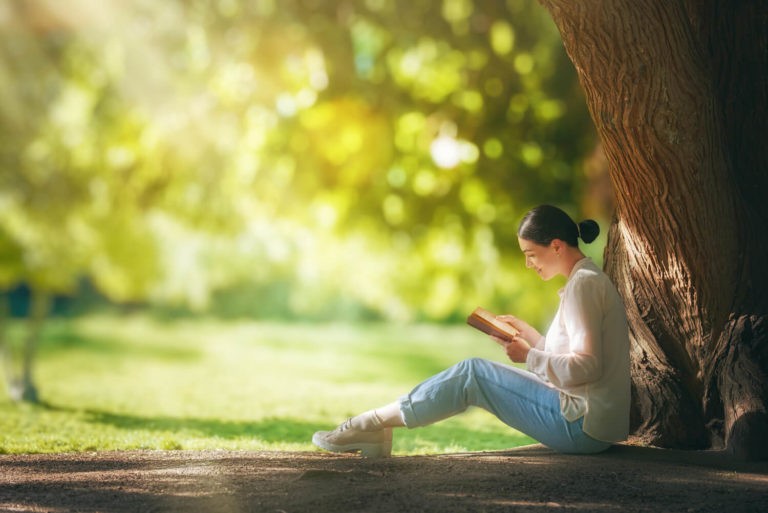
x,y
533,478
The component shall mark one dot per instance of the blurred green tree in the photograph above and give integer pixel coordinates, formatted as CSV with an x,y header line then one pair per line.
x,y
424,128
368,157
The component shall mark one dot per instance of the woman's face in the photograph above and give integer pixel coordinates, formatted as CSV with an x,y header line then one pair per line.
x,y
543,259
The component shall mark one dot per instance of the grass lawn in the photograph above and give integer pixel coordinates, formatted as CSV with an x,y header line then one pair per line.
x,y
114,383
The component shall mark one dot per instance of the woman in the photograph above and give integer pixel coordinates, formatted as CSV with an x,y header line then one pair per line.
x,y
573,397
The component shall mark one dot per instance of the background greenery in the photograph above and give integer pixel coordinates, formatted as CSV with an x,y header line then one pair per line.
x,y
267,158
292,161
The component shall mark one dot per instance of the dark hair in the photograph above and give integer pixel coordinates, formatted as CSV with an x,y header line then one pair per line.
x,y
545,223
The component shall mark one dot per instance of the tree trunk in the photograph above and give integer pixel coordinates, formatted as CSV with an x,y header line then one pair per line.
x,y
38,312
23,388
5,352
678,93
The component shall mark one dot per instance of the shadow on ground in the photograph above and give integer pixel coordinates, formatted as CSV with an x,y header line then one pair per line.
x,y
626,479
282,430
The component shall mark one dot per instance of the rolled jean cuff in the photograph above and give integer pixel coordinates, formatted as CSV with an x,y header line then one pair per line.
x,y
407,413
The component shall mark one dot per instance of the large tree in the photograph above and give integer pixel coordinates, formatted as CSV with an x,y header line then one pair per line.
x,y
678,91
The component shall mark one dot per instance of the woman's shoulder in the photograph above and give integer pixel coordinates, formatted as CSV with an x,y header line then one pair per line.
x,y
585,270
587,276
591,282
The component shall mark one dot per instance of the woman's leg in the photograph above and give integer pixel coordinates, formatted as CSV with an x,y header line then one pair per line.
x,y
517,397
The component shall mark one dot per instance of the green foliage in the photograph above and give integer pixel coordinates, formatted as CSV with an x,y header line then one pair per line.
x,y
114,383
376,154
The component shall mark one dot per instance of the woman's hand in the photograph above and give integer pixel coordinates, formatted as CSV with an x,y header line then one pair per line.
x,y
528,333
517,349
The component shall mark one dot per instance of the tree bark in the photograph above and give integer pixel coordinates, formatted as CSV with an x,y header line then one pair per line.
x,y
678,91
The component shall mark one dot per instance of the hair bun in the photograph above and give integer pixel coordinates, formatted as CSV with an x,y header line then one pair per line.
x,y
588,230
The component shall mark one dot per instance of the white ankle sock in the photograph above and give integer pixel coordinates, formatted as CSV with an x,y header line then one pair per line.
x,y
367,421
380,418
390,415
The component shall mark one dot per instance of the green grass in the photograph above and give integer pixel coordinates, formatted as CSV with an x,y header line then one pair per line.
x,y
117,383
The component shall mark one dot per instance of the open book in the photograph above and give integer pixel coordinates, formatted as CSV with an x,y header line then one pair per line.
x,y
486,322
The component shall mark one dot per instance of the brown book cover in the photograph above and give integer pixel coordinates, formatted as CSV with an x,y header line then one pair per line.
x,y
486,322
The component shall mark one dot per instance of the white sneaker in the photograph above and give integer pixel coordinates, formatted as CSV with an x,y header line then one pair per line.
x,y
345,438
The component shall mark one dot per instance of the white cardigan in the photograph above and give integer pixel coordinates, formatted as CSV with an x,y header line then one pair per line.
x,y
585,354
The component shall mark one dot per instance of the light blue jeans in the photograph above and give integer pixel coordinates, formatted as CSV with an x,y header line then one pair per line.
x,y
517,397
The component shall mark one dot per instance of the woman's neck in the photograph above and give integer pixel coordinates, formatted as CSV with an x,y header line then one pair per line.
x,y
569,259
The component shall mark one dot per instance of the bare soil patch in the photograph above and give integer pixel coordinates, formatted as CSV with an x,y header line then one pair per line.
x,y
533,478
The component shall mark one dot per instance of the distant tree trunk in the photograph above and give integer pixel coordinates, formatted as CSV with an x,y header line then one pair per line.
x,y
23,388
37,315
5,352
678,91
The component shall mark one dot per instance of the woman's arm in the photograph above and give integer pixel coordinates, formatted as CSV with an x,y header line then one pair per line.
x,y
517,347
564,370
527,332
581,313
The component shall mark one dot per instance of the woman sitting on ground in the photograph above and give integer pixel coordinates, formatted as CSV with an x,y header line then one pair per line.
x,y
573,397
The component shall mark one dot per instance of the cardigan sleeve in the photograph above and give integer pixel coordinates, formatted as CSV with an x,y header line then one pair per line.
x,y
581,314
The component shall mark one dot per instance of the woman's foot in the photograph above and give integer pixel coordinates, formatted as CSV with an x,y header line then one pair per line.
x,y
346,438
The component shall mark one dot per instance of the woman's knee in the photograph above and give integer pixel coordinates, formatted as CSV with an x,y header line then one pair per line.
x,y
475,364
